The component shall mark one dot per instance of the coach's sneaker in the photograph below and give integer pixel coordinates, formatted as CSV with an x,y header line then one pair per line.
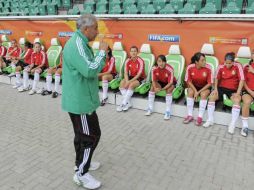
x,y
188,119
120,108
87,181
148,112
167,115
22,89
231,129
208,124
32,92
244,132
199,121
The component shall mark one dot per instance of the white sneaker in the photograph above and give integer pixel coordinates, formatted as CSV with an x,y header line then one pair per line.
x,y
120,108
16,86
208,124
167,115
244,132
22,89
126,107
87,181
32,92
39,91
12,75
231,129
149,112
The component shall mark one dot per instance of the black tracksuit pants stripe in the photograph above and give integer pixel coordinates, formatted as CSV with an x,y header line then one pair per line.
x,y
87,135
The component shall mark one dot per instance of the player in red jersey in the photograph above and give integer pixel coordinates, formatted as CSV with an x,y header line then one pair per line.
x,y
134,73
39,63
3,52
162,79
229,80
13,56
107,74
247,95
58,72
199,79
23,62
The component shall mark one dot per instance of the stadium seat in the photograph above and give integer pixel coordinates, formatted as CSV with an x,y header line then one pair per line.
x,y
231,8
34,10
74,11
67,4
208,50
177,61
209,8
149,59
88,10
42,9
5,41
114,3
128,3
57,3
115,10
243,56
52,9
22,42
36,2
53,55
148,10
196,3
217,3
250,9
168,9
159,4
188,9
101,9
142,4
177,4
131,10
239,3
102,2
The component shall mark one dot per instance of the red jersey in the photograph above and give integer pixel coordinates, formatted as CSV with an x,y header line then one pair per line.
x,y
135,67
165,75
110,66
3,51
28,55
249,77
39,58
230,77
15,53
199,77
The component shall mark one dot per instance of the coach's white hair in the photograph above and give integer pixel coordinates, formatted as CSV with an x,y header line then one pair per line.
x,y
86,21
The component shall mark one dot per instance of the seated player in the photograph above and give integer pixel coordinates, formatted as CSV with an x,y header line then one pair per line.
x,y
13,56
39,63
199,80
58,72
107,74
134,73
3,52
23,62
247,95
162,79
229,80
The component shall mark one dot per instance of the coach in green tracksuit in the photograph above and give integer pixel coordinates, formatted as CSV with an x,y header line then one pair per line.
x,y
80,96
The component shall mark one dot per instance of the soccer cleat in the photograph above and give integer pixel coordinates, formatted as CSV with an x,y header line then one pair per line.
x,y
199,121
167,115
55,95
149,112
244,132
119,108
231,129
22,89
127,106
16,86
208,124
188,119
104,101
32,92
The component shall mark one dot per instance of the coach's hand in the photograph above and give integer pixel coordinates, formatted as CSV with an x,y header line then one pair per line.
x,y
103,46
